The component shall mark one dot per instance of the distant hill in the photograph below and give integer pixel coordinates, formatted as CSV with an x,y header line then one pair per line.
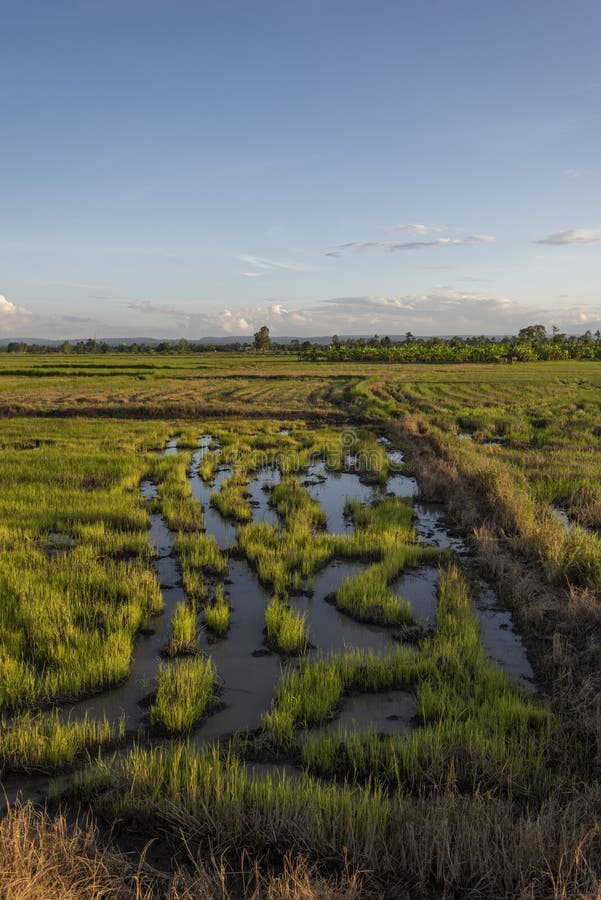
x,y
222,339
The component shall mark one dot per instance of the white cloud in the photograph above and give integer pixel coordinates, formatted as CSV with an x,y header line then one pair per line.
x,y
571,173
417,229
443,310
573,236
11,315
394,246
447,311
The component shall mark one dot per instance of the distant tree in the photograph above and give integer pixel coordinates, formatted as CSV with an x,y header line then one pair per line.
x,y
262,340
66,347
335,340
533,333
408,337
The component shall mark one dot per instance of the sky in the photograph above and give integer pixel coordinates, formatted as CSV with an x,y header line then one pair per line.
x,y
189,168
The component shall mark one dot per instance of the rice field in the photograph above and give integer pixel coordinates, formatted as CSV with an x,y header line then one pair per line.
x,y
267,629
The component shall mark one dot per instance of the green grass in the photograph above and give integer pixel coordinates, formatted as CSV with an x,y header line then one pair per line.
x,y
287,558
286,628
76,585
394,513
488,767
74,567
182,637
231,499
40,742
199,553
480,730
469,841
367,597
217,614
177,505
186,690
310,694
295,506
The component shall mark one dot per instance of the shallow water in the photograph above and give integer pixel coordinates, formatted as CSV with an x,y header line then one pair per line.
x,y
500,640
249,678
223,531
419,587
331,630
432,528
563,518
248,681
389,712
258,495
171,447
402,486
332,490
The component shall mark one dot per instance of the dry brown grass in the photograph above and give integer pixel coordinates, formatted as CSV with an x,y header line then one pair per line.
x,y
43,857
445,847
561,623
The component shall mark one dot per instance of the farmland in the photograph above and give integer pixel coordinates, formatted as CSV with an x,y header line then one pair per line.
x,y
330,628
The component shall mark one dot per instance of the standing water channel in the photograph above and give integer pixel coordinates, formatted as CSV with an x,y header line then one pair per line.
x,y
248,672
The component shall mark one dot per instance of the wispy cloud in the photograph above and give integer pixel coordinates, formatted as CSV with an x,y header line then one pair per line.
x,y
417,229
394,246
572,236
261,266
571,173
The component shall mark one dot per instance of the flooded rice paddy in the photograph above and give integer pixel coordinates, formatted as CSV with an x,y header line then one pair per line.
x,y
247,670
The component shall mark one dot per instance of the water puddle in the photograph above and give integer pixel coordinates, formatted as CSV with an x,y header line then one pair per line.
x,y
332,490
258,496
419,587
396,457
390,712
431,528
562,517
402,486
500,640
171,447
248,681
223,531
332,631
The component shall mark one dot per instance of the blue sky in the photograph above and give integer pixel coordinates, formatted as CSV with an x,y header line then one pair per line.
x,y
202,168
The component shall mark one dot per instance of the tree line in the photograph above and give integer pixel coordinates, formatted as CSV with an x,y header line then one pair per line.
x,y
531,343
